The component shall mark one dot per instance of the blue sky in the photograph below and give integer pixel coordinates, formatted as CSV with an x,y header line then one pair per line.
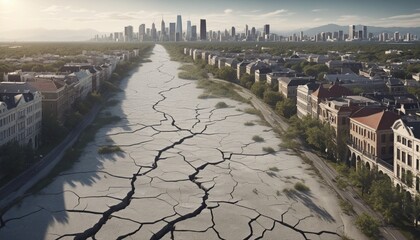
x,y
113,15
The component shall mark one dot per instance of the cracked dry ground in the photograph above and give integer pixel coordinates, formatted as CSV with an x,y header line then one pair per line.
x,y
187,171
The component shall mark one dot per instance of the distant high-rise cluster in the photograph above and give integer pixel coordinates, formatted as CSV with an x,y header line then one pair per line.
x,y
174,32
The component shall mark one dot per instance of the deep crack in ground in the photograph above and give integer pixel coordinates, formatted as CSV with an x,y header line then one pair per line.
x,y
197,174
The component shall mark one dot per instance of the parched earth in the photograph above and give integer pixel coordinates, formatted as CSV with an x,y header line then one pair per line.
x,y
187,170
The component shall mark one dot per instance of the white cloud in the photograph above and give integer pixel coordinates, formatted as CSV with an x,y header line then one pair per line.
x,y
407,16
319,10
53,9
317,19
350,19
276,13
228,11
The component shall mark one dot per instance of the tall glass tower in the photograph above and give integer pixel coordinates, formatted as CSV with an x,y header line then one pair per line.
x,y
179,27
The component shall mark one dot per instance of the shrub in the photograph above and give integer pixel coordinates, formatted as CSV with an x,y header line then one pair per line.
x,y
368,225
257,138
109,149
248,124
301,187
269,150
221,105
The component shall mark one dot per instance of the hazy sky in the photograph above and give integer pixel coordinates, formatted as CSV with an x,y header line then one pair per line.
x,y
113,15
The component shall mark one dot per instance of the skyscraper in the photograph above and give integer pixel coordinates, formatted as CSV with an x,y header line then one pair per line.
x,y
301,36
142,32
154,34
203,30
253,32
188,30
396,37
233,32
178,28
340,35
365,33
246,30
162,31
352,32
128,33
193,33
172,32
267,32
266,29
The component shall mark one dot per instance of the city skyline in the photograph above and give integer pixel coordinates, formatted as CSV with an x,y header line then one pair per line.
x,y
281,15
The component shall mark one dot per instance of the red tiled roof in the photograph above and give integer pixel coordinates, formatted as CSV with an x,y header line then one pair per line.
x,y
46,85
375,118
334,91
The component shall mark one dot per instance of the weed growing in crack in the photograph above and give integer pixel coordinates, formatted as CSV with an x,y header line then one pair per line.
x,y
249,124
107,149
274,169
221,105
278,193
269,150
255,191
257,138
301,187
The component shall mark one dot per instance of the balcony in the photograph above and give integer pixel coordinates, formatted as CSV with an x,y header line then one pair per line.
x,y
371,157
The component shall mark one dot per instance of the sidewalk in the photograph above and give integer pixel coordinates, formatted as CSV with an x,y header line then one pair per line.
x,y
17,187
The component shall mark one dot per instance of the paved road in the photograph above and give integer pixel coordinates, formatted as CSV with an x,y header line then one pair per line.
x,y
22,183
327,173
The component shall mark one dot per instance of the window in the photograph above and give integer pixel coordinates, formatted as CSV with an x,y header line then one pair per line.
x,y
417,148
410,144
403,156
417,164
418,184
409,160
404,141
398,171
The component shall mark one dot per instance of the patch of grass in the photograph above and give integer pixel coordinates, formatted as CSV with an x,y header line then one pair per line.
x,y
252,111
221,105
346,207
257,138
274,169
109,149
249,124
301,187
218,90
269,150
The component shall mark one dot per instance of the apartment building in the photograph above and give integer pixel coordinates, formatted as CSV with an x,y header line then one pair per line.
x,y
303,99
20,114
371,139
407,154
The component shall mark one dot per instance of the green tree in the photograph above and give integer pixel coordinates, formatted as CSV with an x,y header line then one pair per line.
x,y
286,108
227,73
258,88
247,80
272,98
368,225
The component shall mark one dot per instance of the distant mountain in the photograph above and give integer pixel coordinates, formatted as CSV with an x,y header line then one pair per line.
x,y
48,35
345,29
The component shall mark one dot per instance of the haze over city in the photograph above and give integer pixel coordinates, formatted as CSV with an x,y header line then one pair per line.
x,y
109,16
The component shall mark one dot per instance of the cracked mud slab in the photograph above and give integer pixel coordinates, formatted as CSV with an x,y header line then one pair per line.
x,y
187,171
